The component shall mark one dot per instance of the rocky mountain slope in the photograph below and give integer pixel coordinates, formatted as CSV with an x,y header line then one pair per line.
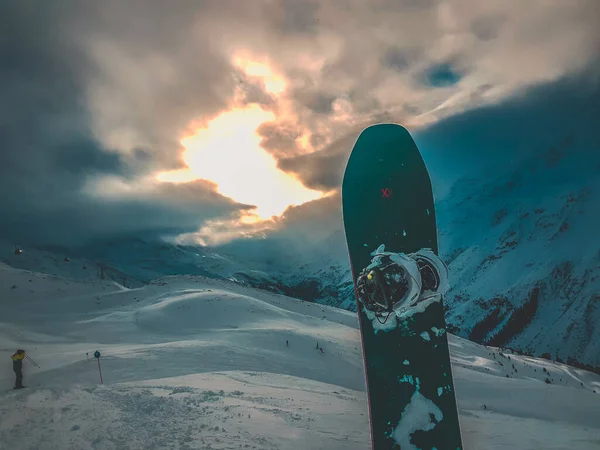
x,y
524,255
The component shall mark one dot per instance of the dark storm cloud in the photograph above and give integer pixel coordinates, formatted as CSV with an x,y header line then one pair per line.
x,y
318,102
487,28
498,137
99,91
398,58
297,17
279,139
305,231
322,170
151,76
45,142
49,147
520,127
163,210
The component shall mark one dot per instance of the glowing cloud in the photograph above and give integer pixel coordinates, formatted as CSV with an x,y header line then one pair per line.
x,y
274,84
228,153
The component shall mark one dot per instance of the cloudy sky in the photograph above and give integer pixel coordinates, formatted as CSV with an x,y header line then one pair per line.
x,y
206,121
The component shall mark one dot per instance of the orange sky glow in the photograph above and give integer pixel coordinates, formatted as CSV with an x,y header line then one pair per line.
x,y
228,152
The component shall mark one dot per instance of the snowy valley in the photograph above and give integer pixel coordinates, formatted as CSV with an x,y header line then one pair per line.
x,y
521,244
190,362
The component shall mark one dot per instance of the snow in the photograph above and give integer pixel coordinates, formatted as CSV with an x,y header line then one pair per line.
x,y
191,362
416,416
425,336
504,234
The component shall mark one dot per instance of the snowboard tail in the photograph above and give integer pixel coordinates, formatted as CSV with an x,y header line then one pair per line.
x,y
387,199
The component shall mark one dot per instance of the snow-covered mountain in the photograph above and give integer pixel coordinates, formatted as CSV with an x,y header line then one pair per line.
x,y
521,242
321,275
524,255
131,262
522,246
190,362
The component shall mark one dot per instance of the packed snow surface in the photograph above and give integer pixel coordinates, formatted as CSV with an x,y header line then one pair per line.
x,y
195,363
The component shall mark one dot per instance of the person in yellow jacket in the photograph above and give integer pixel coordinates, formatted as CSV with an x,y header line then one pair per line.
x,y
17,359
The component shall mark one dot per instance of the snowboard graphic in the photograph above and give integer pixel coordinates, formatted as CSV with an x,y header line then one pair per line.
x,y
391,234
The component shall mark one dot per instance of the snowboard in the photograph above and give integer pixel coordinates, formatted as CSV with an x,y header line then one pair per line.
x,y
387,199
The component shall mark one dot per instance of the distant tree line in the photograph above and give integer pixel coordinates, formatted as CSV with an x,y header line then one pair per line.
x,y
518,319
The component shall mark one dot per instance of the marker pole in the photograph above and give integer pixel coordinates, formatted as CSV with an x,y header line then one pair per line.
x,y
100,371
97,356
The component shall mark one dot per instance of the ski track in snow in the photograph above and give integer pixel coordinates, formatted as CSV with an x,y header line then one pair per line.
x,y
194,363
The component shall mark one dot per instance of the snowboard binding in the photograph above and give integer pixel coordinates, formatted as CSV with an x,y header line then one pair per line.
x,y
396,282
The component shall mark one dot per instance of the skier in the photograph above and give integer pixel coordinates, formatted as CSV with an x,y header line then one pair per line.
x,y
322,350
17,359
317,346
287,344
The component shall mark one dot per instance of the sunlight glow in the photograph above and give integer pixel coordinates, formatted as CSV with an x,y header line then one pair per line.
x,y
228,153
274,84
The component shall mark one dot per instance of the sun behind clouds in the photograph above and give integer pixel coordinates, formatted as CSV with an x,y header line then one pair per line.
x,y
228,153
273,83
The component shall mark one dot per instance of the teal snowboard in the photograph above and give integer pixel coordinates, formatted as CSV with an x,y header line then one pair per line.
x,y
387,203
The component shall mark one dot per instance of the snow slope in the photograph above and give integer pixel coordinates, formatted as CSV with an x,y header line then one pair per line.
x,y
524,255
192,362
521,241
522,244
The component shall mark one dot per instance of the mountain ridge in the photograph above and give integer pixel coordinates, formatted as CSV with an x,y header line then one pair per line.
x,y
521,246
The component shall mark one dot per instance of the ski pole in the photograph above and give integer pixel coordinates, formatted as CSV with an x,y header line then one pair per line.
x,y
32,361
